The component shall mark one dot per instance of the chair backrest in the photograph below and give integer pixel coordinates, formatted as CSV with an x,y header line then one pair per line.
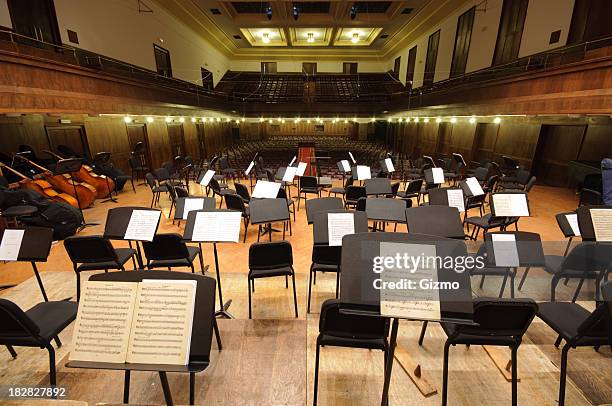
x,y
150,180
223,164
89,249
414,186
133,162
588,256
355,192
334,323
395,188
242,191
282,193
501,317
523,176
235,202
165,246
491,181
530,184
162,174
214,185
589,197
169,166
308,182
270,255
598,323
481,173
349,182
15,323
361,204
443,221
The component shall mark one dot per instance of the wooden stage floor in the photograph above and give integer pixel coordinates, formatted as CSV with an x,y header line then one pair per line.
x,y
270,360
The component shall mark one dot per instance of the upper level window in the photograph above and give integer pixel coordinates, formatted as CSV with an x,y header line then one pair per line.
x,y
162,61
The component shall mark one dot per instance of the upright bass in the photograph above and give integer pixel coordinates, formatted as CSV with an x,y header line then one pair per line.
x,y
84,192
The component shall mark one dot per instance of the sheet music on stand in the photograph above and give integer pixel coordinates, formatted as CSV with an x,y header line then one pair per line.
x,y
510,205
411,303
602,224
292,160
346,167
339,225
389,165
217,226
474,186
352,157
455,199
505,250
363,172
301,169
265,190
192,203
572,220
290,173
249,168
11,244
207,177
142,225
437,175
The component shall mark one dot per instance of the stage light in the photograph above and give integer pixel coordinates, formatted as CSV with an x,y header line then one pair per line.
x,y
193,119
438,120
472,120
497,120
243,119
426,120
150,119
355,38
181,119
296,13
270,121
389,119
353,12
399,120
283,121
269,12
261,119
218,119
407,119
345,121
416,120
127,119
308,121
168,119
373,119
453,120
227,120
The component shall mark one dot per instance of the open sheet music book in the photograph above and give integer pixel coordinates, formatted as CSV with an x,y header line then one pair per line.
x,y
146,322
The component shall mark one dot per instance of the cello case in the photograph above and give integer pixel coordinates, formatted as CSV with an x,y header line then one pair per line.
x,y
61,217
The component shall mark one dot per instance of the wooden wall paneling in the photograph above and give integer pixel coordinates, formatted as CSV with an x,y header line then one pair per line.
x,y
72,136
27,130
462,139
558,144
176,136
191,140
159,143
597,143
444,142
427,140
109,134
518,141
484,141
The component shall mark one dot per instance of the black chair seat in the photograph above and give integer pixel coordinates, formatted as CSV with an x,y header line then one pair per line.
x,y
316,267
565,318
160,189
485,221
164,263
461,338
310,190
337,190
19,211
405,195
264,273
53,317
123,256
339,341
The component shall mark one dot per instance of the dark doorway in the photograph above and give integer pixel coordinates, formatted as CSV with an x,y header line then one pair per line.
x,y
510,31
557,145
207,79
201,131
268,67
349,68
397,64
590,21
138,133
177,139
412,54
35,19
309,68
430,61
462,42
70,136
162,61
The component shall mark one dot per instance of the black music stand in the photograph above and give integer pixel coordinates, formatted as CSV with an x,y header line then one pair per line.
x,y
117,221
35,247
320,225
377,186
443,221
187,235
321,204
358,295
566,228
101,159
268,211
207,204
585,221
70,166
204,323
386,211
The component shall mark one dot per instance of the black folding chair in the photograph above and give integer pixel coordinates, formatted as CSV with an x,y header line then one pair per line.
x,y
270,259
353,194
243,192
308,185
337,329
35,327
170,251
235,202
156,189
413,189
501,322
96,253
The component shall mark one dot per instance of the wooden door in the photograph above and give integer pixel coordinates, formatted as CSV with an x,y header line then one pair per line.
x,y
412,54
430,61
70,136
444,144
177,139
309,68
138,133
510,31
557,145
35,19
484,141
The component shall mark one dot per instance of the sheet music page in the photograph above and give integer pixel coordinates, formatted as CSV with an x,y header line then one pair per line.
x,y
142,225
345,165
389,163
104,321
455,199
474,186
438,175
162,322
207,177
363,172
415,303
352,157
217,226
192,203
292,161
339,225
602,224
265,190
248,170
510,204
505,250
301,169
290,172
11,244
572,219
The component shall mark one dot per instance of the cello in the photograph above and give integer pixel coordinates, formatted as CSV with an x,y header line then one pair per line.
x,y
85,193
86,174
43,187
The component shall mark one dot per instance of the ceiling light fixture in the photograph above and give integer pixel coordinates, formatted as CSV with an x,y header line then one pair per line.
x,y
472,120
355,38
265,37
426,120
310,38
453,120
182,120
168,119
127,119
150,119
438,120
497,120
